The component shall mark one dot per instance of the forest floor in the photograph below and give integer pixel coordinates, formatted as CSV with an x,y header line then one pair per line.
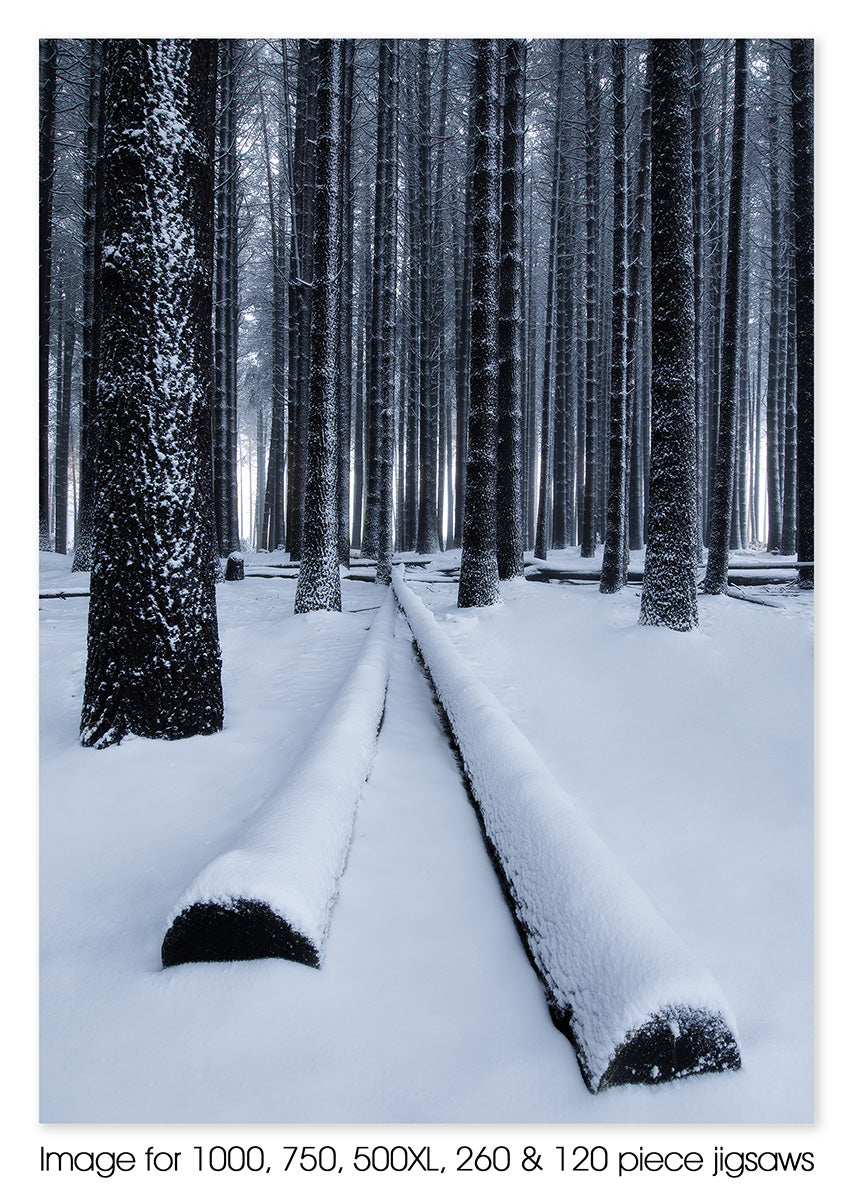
x,y
690,754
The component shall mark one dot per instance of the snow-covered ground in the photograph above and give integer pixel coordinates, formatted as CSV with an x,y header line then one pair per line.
x,y
689,754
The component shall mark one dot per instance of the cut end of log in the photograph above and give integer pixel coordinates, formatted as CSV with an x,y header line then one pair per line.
x,y
234,568
234,932
676,1042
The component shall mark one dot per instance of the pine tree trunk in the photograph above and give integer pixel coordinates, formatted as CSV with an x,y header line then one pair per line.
x,y
788,544
775,368
427,542
697,131
463,363
319,584
546,435
153,666
89,366
802,120
592,130
478,577
225,310
669,585
716,575
510,541
47,135
347,301
68,330
273,519
636,277
386,233
614,568
302,275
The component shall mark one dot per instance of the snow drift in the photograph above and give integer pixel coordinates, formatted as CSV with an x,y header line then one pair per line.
x,y
272,895
620,984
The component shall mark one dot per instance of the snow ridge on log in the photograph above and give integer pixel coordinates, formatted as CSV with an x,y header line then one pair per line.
x,y
621,985
273,894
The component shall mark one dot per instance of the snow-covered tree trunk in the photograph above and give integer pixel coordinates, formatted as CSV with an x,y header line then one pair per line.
x,y
478,577
546,438
463,360
592,105
385,275
802,120
153,665
47,133
347,300
225,309
615,565
510,539
716,575
697,129
636,282
271,479
301,294
319,583
89,338
789,464
669,585
510,546
427,541
778,292
66,339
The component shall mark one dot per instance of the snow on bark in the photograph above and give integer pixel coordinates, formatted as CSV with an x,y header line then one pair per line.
x,y
614,564
478,576
716,575
669,587
385,280
319,585
273,894
153,665
623,987
802,117
510,539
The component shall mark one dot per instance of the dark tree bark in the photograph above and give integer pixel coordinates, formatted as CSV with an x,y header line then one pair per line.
x,y
716,574
697,128
592,131
788,544
478,577
346,323
66,339
802,167
385,276
440,237
778,311
427,542
319,583
226,303
546,440
669,585
92,198
272,520
47,136
301,291
463,359
614,568
637,283
360,407
510,539
153,665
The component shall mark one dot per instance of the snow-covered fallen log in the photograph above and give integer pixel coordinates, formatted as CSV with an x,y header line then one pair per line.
x,y
621,985
272,895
